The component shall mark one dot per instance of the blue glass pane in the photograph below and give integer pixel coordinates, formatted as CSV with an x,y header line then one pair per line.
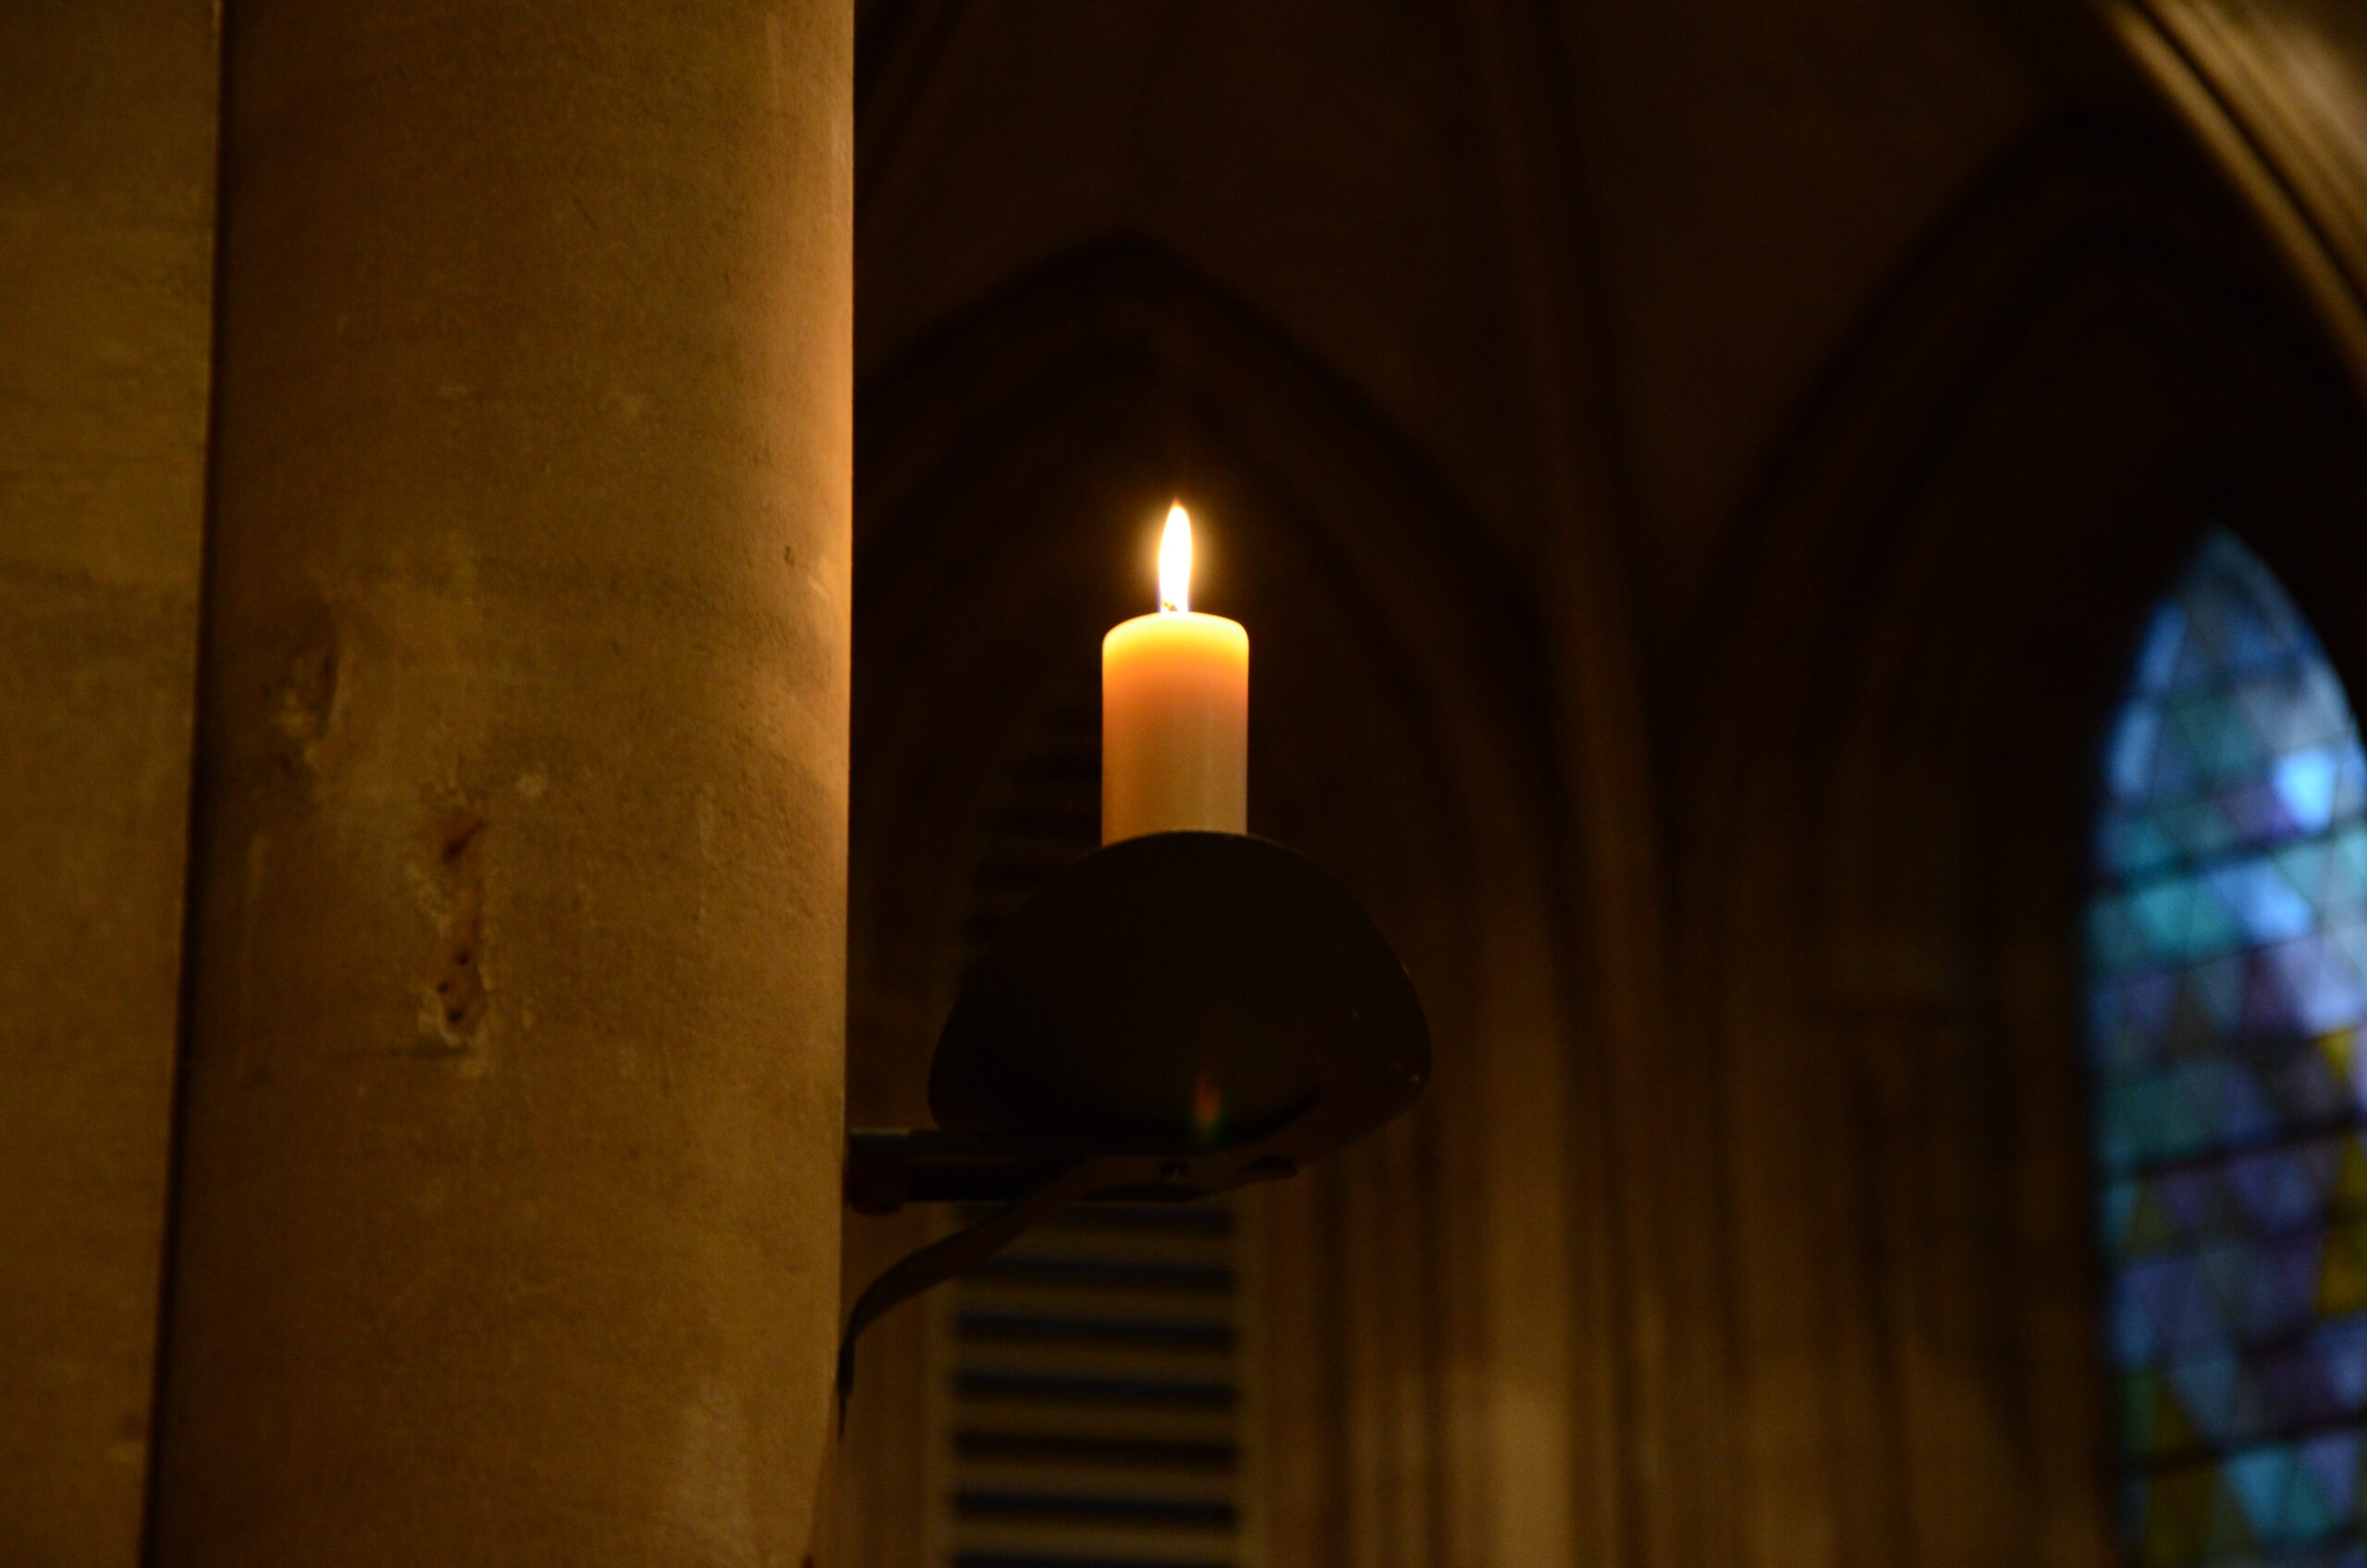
x,y
2228,956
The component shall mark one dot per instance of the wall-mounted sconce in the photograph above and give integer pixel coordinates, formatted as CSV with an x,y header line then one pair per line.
x,y
1187,1010
1172,1016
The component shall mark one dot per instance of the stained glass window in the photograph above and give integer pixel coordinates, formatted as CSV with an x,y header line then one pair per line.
x,y
2228,952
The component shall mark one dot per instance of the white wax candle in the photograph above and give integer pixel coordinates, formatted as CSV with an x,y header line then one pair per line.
x,y
1174,711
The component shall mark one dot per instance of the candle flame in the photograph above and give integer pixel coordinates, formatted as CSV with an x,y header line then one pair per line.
x,y
1175,561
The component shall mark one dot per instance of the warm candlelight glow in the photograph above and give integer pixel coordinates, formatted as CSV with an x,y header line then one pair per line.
x,y
1174,712
1175,561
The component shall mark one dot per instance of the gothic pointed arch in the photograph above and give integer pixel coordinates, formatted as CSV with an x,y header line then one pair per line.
x,y
1012,470
1882,815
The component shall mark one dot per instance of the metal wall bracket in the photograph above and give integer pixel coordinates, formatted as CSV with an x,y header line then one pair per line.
x,y
1173,1016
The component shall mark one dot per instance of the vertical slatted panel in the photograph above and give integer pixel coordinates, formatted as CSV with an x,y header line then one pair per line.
x,y
1092,1372
1095,1394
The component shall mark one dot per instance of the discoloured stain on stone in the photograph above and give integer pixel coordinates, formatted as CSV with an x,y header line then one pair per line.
x,y
454,1003
303,703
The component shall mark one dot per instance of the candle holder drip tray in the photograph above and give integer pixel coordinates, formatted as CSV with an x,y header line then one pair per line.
x,y
1173,1016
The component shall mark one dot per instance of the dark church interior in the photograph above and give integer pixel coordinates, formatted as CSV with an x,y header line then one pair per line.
x,y
1714,915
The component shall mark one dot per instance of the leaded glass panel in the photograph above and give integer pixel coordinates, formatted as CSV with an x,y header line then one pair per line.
x,y
2227,954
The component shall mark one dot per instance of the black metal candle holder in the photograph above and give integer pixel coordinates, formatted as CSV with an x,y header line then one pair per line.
x,y
1172,1016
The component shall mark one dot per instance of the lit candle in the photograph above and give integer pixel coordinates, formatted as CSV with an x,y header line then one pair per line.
x,y
1174,711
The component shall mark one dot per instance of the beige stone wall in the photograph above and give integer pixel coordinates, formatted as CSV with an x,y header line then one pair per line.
x,y
506,1201
107,201
508,1208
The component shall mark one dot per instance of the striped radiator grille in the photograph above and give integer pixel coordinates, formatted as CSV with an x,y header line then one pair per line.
x,y
1093,1395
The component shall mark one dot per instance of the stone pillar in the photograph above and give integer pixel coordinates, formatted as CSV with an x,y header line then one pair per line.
x,y
106,244
507,1212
